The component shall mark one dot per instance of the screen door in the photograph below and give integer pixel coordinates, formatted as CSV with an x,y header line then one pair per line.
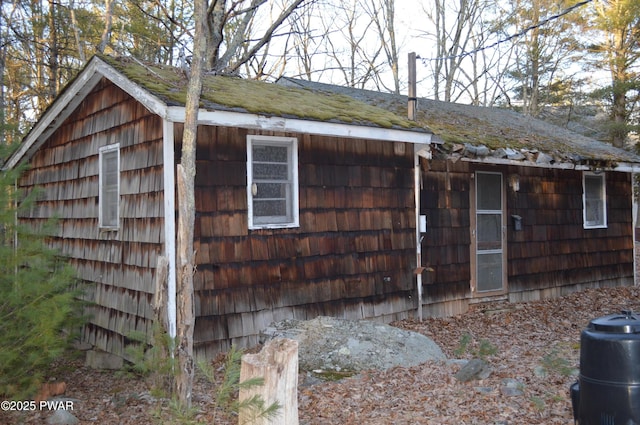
x,y
489,234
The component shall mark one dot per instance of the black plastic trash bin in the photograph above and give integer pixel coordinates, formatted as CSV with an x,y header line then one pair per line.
x,y
608,388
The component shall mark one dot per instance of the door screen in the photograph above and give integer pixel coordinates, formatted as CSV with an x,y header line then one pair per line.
x,y
489,234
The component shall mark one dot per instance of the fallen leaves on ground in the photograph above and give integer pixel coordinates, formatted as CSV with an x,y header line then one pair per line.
x,y
536,343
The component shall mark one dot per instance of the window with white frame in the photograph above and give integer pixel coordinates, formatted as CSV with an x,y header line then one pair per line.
x,y
272,181
109,182
594,200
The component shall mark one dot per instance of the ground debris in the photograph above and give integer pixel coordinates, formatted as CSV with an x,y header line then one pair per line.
x,y
537,347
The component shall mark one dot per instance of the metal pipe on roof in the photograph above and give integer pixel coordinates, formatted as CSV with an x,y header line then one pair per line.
x,y
413,100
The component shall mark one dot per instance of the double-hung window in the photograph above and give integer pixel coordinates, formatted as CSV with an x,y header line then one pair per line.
x,y
109,182
594,201
272,181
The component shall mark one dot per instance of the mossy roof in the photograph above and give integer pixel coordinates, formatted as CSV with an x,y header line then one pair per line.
x,y
236,94
492,127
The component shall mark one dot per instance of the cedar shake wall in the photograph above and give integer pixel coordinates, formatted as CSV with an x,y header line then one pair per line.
x,y
352,256
116,267
552,255
445,247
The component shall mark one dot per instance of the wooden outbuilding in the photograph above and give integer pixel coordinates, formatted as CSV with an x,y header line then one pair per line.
x,y
316,200
305,202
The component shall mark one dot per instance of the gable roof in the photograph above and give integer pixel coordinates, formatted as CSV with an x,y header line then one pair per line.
x,y
509,137
225,101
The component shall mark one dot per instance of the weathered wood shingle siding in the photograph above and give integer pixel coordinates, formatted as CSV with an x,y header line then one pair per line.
x,y
554,254
445,247
352,256
116,267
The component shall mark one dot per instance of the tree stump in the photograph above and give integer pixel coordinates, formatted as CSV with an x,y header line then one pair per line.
x,y
277,364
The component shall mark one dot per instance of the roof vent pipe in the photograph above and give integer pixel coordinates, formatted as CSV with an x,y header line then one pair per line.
x,y
413,100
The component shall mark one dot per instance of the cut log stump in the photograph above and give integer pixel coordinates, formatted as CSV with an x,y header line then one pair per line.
x,y
277,364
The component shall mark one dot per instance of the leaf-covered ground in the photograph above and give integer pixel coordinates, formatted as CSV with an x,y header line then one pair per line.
x,y
535,343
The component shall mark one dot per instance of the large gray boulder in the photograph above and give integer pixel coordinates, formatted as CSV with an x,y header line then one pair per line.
x,y
331,344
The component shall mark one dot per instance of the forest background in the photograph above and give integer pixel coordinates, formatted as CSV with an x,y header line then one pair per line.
x,y
574,63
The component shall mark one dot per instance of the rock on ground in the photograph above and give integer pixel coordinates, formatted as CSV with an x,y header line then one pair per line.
x,y
62,417
473,369
331,344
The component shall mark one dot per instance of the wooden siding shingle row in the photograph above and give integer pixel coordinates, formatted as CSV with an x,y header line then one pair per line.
x,y
116,267
445,247
552,255
553,252
352,256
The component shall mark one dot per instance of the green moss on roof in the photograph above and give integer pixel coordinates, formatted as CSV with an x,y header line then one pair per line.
x,y
495,128
473,134
223,92
492,127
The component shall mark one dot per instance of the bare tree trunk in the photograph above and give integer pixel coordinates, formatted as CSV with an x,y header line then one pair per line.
x,y
277,364
186,215
450,42
108,19
392,53
236,44
3,55
382,14
303,43
185,308
619,113
160,294
441,46
39,58
531,84
76,31
54,69
620,83
161,323
216,19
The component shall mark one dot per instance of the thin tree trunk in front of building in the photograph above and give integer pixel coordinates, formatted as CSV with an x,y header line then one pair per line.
x,y
185,312
186,215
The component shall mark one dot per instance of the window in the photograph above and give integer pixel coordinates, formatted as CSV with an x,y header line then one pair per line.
x,y
594,200
109,181
272,182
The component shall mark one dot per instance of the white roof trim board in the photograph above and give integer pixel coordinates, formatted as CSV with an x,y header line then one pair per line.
x,y
621,166
274,123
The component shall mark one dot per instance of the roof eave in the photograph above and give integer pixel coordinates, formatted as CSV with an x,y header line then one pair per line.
x,y
70,98
296,125
55,114
627,167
